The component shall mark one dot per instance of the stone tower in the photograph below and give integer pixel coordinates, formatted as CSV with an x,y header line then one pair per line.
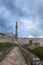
x,y
16,30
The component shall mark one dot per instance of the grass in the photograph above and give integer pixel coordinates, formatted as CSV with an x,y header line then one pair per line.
x,y
4,46
37,51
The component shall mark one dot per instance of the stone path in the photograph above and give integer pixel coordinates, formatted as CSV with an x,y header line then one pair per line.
x,y
14,58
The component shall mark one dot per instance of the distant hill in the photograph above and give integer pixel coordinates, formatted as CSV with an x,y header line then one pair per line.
x,y
2,34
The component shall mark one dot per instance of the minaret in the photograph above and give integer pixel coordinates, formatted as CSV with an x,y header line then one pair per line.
x,y
16,30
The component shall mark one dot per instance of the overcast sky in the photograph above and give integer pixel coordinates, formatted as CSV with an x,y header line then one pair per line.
x,y
28,14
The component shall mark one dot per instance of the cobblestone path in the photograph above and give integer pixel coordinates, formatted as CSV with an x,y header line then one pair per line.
x,y
14,58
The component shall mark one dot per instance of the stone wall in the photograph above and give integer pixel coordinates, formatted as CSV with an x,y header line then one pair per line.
x,y
30,58
11,38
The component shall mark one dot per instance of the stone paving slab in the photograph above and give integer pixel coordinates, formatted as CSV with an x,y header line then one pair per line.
x,y
14,58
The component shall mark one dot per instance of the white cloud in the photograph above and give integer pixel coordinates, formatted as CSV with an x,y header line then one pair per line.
x,y
41,36
27,23
31,27
30,36
4,12
27,6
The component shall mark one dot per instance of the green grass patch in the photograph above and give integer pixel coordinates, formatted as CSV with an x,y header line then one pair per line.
x,y
4,46
37,51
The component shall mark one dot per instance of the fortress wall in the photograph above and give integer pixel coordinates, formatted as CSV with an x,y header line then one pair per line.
x,y
21,40
5,39
41,41
26,40
37,40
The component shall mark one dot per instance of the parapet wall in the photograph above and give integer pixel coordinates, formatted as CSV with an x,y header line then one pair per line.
x,y
37,40
30,58
26,40
4,38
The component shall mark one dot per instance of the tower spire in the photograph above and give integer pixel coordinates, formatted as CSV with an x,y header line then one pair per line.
x,y
16,30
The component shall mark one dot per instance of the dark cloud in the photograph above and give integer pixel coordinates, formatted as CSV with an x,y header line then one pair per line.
x,y
23,11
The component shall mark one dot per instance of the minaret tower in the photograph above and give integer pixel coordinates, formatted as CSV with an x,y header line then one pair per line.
x,y
16,30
